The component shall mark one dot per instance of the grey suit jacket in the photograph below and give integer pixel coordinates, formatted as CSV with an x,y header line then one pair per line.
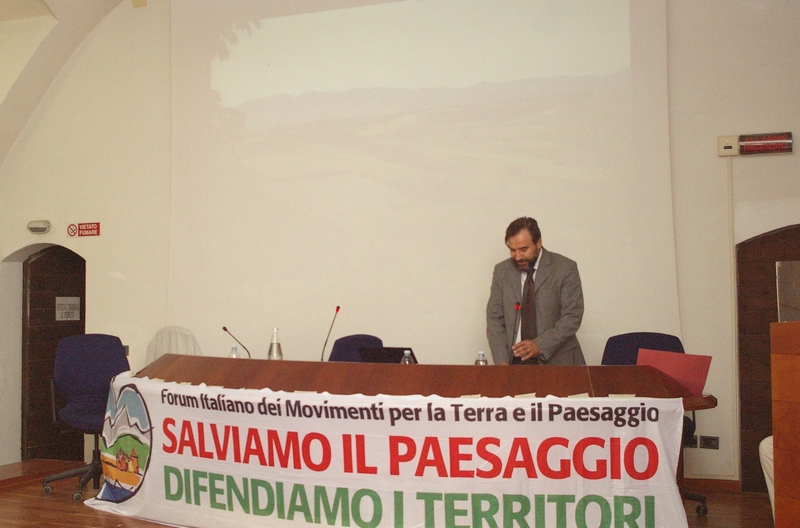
x,y
559,310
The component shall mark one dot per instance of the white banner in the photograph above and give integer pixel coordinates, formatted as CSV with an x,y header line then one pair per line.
x,y
207,456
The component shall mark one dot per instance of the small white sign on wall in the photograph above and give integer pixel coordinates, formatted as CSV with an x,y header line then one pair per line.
x,y
68,308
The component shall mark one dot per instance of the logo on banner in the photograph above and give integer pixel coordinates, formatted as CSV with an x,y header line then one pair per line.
x,y
126,443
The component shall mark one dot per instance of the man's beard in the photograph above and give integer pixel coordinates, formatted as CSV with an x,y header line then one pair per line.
x,y
525,265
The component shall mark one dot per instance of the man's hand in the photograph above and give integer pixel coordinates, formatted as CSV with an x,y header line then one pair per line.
x,y
526,349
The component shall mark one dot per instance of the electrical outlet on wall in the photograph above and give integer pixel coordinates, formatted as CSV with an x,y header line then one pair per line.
x,y
727,145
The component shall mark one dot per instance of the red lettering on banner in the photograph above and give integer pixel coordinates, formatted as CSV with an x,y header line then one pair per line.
x,y
292,449
590,458
456,457
347,453
652,458
252,447
170,448
324,445
361,458
521,446
580,463
361,455
591,464
221,449
616,449
201,439
431,456
395,457
493,460
187,439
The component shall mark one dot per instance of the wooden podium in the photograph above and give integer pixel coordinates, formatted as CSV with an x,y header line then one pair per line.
x,y
444,380
785,345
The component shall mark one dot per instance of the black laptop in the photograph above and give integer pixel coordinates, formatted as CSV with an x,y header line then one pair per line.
x,y
384,354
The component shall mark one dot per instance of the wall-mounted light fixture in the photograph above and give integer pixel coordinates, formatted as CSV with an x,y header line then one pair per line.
x,y
39,227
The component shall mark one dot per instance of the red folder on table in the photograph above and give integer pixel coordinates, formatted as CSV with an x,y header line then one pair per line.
x,y
690,370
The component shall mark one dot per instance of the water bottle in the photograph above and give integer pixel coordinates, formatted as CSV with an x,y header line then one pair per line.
x,y
234,353
275,346
407,359
481,358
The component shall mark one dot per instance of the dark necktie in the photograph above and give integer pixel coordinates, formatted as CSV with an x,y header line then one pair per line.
x,y
527,312
528,309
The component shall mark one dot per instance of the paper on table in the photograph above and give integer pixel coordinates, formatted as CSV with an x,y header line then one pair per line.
x,y
690,370
581,395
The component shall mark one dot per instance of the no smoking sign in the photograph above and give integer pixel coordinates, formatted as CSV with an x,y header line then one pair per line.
x,y
86,229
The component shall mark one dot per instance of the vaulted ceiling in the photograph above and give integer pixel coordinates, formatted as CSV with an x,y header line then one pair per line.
x,y
74,20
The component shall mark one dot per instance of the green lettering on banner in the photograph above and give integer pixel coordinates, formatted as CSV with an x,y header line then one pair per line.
x,y
377,508
512,517
279,500
168,493
255,486
583,504
398,509
196,476
561,502
298,502
213,490
649,511
428,500
479,515
451,512
623,519
340,501
188,483
539,511
242,495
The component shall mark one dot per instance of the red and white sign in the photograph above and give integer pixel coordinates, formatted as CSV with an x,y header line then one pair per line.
x,y
86,229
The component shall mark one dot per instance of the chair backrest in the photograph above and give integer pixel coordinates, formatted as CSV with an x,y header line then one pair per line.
x,y
346,348
82,373
172,340
623,349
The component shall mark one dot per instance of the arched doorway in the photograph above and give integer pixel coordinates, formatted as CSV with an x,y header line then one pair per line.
x,y
30,280
757,308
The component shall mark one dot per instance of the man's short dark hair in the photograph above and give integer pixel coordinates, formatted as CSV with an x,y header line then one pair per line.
x,y
521,223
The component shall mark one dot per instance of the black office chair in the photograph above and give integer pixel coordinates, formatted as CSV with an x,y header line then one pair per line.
x,y
623,349
84,367
346,348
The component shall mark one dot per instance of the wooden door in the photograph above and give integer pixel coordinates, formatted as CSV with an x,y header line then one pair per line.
x,y
54,307
757,308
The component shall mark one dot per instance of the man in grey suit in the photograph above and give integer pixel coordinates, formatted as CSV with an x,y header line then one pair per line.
x,y
557,298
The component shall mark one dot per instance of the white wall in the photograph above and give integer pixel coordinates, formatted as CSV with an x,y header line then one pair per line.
x,y
18,42
733,69
97,150
11,361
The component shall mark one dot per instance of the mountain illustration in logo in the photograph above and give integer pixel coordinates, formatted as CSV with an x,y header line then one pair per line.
x,y
125,445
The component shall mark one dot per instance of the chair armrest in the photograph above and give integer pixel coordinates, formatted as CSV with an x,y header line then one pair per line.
x,y
53,400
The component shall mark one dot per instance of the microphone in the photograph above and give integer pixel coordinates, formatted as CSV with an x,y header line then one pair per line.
x,y
234,338
322,356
